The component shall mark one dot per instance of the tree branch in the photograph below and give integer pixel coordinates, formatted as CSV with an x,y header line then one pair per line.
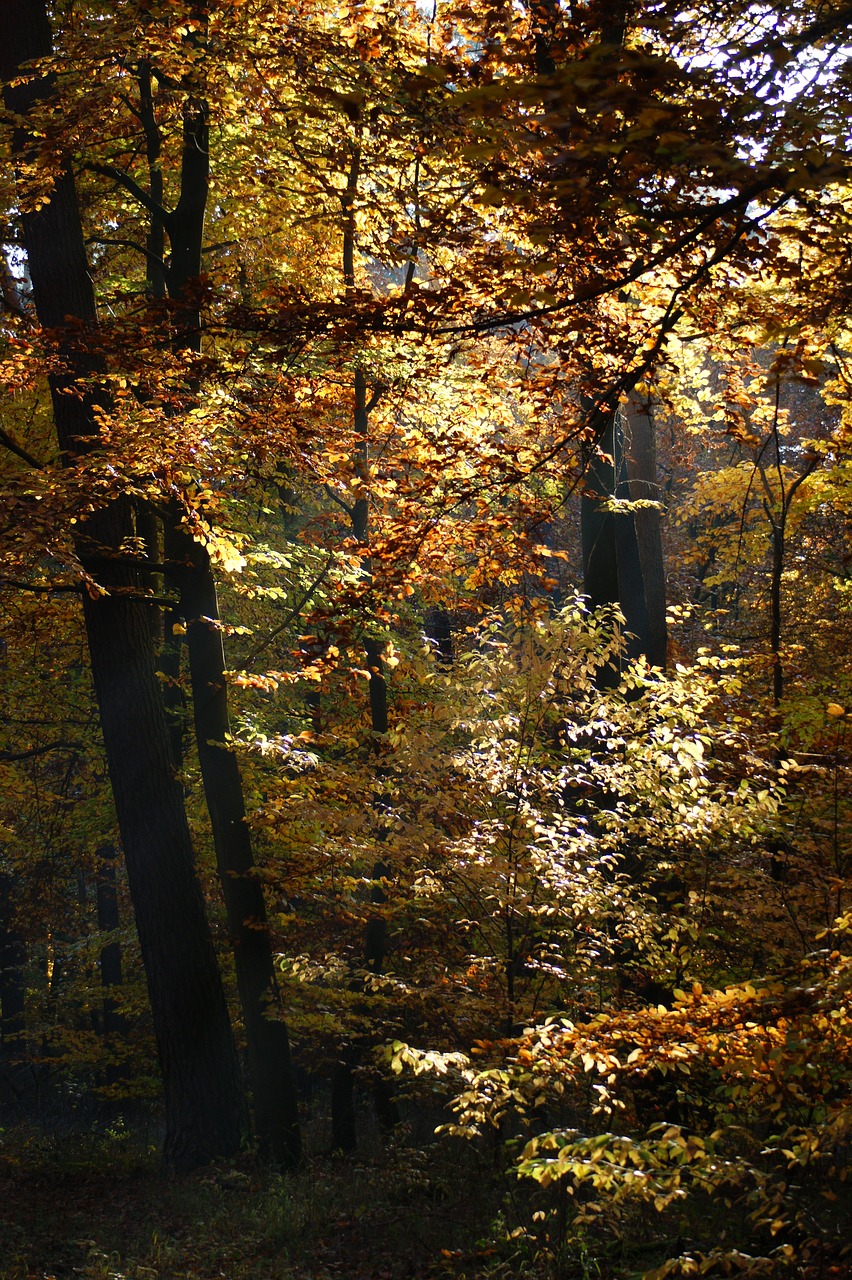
x,y
8,757
42,588
19,451
128,244
340,502
774,180
130,185
293,614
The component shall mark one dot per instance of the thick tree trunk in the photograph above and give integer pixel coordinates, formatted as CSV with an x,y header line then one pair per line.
x,y
205,1114
344,1136
205,1111
600,565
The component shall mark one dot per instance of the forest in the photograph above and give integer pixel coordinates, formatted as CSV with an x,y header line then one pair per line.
x,y
425,639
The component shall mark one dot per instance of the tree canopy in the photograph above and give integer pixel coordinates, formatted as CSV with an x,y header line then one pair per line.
x,y
425,558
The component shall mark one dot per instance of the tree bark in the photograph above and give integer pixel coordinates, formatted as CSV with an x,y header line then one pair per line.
x,y
622,550
114,1022
275,1100
108,922
274,1091
205,1109
13,959
344,1135
647,564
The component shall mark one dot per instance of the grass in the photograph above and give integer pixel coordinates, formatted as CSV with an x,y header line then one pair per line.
x,y
94,1206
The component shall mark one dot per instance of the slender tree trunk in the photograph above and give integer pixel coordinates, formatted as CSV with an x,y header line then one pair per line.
x,y
344,1136
777,512
597,531
273,1083
648,582
108,922
13,959
622,550
274,1091
373,648
776,580
205,1111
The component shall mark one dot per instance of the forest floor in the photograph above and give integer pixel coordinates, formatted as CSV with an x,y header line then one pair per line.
x,y
94,1206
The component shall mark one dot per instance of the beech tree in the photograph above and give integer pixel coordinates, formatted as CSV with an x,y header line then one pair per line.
x,y
538,209
622,547
205,1108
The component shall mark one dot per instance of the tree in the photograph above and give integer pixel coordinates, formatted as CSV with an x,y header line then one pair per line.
x,y
622,546
201,1079
274,1095
538,209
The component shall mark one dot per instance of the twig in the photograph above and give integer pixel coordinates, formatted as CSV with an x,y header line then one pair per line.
x,y
11,756
293,614
19,451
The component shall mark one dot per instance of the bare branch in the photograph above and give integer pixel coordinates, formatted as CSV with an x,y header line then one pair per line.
x,y
293,614
19,451
127,244
8,757
130,185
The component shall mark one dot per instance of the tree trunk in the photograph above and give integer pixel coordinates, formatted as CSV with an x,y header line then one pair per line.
x,y
274,1090
114,1022
275,1098
622,550
597,532
108,922
648,578
344,1136
343,1132
13,959
438,630
205,1110
775,617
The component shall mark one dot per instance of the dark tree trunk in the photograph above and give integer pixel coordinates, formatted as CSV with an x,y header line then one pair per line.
x,y
343,1133
205,1110
622,551
204,1100
274,1090
114,1022
776,580
600,564
273,1083
438,629
647,567
13,960
373,649
597,531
